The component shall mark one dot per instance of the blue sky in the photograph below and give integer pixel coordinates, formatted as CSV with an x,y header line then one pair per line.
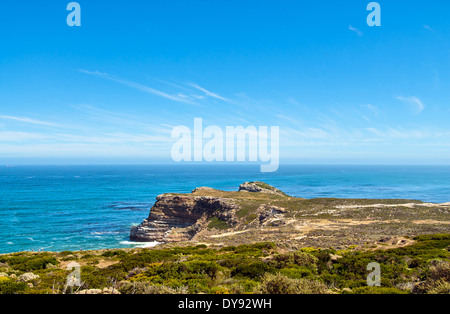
x,y
111,90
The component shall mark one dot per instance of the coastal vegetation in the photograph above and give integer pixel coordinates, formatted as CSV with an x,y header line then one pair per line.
x,y
421,267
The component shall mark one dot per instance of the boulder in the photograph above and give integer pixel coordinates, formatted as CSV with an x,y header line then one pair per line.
x,y
27,277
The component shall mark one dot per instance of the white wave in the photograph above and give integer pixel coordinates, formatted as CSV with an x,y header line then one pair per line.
x,y
103,232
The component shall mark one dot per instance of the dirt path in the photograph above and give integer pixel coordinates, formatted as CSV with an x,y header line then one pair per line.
x,y
410,205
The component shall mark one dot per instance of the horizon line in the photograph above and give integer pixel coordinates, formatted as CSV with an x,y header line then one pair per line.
x,y
216,164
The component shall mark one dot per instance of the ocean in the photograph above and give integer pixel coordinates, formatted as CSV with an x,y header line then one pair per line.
x,y
58,208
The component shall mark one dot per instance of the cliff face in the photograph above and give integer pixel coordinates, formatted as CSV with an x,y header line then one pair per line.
x,y
168,212
176,218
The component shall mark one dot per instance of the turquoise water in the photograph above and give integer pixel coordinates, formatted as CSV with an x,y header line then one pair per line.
x,y
58,208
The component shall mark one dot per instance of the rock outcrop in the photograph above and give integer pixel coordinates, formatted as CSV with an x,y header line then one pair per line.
x,y
270,214
261,187
176,218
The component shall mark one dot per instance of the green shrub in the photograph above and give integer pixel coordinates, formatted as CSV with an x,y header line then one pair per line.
x,y
29,263
211,269
114,253
280,284
184,270
65,253
253,270
295,258
8,286
97,278
216,223
297,273
429,237
243,286
144,258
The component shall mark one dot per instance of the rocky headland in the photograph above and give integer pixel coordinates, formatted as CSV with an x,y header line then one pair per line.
x,y
259,212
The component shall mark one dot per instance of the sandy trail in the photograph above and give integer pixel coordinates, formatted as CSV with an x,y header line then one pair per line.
x,y
410,205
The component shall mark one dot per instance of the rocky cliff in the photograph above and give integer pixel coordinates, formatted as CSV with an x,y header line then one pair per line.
x,y
176,218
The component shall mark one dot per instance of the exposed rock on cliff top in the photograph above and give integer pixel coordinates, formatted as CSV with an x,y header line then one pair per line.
x,y
258,186
260,212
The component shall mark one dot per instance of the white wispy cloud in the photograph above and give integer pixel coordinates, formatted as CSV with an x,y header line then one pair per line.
x,y
428,27
82,149
390,133
112,138
198,96
207,92
139,86
187,92
119,120
375,110
289,119
10,136
356,30
30,121
309,133
92,138
416,104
